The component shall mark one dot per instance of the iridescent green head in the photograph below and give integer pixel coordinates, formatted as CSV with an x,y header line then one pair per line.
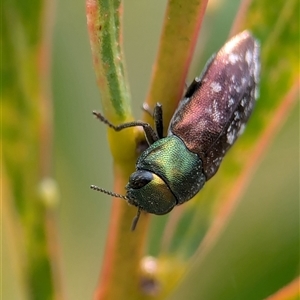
x,y
150,193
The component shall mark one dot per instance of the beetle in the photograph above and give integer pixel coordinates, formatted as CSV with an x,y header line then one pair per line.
x,y
207,122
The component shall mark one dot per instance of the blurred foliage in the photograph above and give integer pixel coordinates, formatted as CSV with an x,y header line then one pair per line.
x,y
256,252
26,143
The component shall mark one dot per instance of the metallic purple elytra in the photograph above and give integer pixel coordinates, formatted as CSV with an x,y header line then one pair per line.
x,y
218,104
208,120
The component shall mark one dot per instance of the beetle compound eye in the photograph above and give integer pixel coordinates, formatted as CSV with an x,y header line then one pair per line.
x,y
139,179
150,193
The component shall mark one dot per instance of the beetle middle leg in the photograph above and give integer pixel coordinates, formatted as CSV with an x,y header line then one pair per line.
x,y
151,135
157,115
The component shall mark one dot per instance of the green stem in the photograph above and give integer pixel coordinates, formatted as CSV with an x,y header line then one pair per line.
x,y
120,273
177,43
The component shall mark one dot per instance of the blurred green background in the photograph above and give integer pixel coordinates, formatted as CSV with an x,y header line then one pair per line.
x,y
81,153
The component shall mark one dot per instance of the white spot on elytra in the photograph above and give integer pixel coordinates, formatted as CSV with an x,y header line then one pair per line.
x,y
215,113
244,80
256,93
215,104
237,88
230,102
215,87
235,41
236,115
233,58
208,110
256,70
230,137
217,160
248,57
242,129
243,102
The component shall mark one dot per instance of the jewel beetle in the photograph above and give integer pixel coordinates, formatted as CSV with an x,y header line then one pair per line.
x,y
208,120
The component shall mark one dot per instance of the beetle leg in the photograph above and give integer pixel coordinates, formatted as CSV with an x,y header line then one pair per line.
x,y
158,120
150,133
157,115
135,220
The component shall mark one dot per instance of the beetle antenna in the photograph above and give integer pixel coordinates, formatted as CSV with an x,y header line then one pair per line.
x,y
98,189
135,220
